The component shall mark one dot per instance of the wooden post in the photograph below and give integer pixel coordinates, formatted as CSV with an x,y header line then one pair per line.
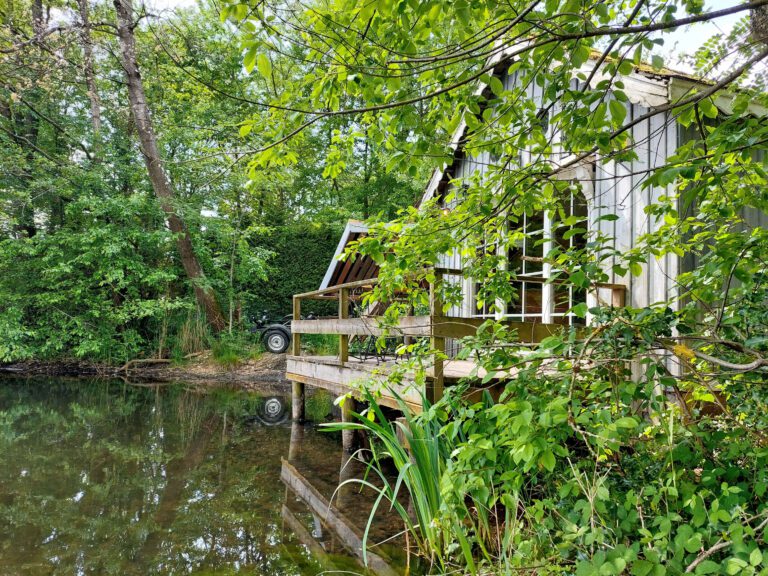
x,y
345,492
348,436
618,297
297,388
437,343
296,338
343,314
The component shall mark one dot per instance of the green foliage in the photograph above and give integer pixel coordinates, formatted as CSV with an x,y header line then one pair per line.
x,y
97,289
303,253
230,350
420,464
89,268
320,344
318,405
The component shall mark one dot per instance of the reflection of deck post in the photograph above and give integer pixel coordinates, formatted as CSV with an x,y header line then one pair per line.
x,y
344,491
297,388
297,437
437,343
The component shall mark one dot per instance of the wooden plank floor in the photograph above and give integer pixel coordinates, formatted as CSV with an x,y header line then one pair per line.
x,y
453,369
342,378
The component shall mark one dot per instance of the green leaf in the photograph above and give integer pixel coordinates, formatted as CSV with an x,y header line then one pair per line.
x,y
626,67
264,65
580,309
547,459
496,86
642,568
618,111
707,567
626,422
249,61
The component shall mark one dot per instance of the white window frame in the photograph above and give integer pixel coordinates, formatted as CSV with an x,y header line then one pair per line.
x,y
582,172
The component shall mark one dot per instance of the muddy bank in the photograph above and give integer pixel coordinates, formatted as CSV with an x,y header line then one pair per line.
x,y
201,369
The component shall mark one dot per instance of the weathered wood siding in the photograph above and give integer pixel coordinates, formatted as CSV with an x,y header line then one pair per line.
x,y
616,189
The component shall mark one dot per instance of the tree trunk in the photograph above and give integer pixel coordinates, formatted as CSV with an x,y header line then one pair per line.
x,y
90,79
160,183
38,22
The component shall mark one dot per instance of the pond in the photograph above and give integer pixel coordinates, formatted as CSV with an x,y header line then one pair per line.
x,y
104,477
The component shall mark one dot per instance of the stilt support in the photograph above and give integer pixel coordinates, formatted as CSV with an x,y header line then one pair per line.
x,y
297,401
348,437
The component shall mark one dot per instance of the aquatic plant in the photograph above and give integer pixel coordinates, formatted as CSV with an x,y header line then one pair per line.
x,y
420,454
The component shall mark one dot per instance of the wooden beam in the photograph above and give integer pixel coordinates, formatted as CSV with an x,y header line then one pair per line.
x,y
363,283
347,532
335,289
343,315
345,379
296,336
420,326
619,296
437,341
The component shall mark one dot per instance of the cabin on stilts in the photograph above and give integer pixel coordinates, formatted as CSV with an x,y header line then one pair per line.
x,y
544,306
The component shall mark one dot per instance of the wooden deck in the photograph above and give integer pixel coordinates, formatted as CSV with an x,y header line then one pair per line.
x,y
339,377
344,374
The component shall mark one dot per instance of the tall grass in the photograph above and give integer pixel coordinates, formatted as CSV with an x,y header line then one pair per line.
x,y
420,452
320,344
192,336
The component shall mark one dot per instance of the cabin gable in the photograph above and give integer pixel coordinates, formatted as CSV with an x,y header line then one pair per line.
x,y
609,187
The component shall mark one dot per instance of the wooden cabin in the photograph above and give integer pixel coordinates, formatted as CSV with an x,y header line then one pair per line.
x,y
543,307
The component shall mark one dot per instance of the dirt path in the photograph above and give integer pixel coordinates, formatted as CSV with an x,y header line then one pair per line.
x,y
201,369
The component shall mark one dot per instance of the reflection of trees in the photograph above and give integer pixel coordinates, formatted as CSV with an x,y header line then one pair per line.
x,y
106,479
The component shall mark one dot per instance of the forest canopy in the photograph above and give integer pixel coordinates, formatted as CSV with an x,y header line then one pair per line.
x,y
90,266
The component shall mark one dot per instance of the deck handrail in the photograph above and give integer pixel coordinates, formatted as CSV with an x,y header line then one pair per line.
x,y
333,291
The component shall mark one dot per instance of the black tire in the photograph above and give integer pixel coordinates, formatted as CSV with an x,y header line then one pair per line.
x,y
274,411
276,341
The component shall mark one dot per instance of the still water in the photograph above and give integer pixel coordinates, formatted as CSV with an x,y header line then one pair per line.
x,y
111,478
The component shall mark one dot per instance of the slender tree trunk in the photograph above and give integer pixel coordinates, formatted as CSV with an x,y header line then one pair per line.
x,y
38,21
90,79
160,182
25,214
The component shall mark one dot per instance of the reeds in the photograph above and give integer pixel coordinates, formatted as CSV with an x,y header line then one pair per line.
x,y
420,453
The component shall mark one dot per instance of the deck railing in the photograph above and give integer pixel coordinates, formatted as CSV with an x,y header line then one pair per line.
x,y
435,325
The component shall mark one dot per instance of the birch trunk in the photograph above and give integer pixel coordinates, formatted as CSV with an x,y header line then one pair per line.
x,y
157,175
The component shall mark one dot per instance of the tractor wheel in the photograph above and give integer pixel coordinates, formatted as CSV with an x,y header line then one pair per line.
x,y
276,341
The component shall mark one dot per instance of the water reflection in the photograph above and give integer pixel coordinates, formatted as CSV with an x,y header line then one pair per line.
x,y
105,478
329,515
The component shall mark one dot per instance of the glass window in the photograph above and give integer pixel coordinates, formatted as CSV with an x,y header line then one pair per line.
x,y
537,301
